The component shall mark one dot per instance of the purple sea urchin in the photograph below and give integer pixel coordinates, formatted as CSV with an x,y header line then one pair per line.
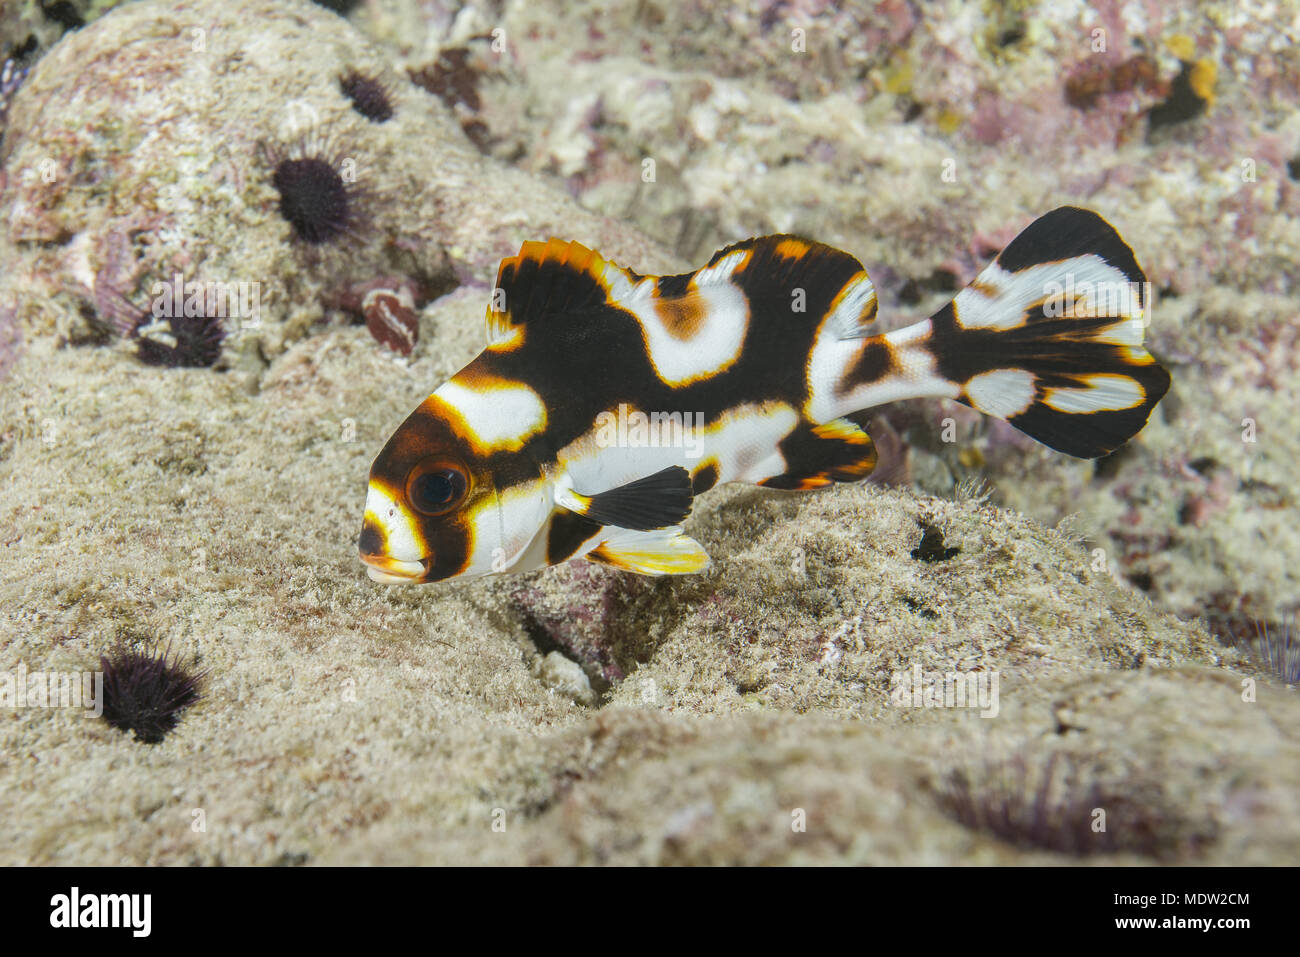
x,y
145,691
370,96
319,193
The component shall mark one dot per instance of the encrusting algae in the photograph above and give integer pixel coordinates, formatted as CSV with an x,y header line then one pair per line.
x,y
610,717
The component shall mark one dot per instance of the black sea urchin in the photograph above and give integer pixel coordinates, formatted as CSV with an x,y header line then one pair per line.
x,y
319,193
341,7
370,96
145,691
1053,802
313,198
189,341
183,326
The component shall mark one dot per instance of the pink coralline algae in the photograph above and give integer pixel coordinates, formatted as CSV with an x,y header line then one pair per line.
x,y
588,613
1099,77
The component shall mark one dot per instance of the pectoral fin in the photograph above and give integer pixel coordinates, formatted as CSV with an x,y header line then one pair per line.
x,y
661,551
654,502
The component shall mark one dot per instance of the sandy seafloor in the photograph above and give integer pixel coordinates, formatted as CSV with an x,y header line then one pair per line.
x,y
581,715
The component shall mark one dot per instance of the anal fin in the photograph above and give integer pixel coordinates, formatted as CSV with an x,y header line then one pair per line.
x,y
818,455
661,551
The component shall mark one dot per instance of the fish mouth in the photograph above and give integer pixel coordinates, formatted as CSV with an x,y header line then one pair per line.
x,y
394,571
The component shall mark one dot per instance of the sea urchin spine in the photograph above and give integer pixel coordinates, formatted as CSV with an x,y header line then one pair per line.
x,y
1277,651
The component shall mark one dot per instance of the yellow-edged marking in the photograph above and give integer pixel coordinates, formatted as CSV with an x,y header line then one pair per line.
x,y
791,248
503,337
507,521
493,414
1002,392
699,334
1103,392
704,464
1138,356
1126,332
1080,287
844,430
853,309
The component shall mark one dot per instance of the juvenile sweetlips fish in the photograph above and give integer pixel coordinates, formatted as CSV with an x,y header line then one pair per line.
x,y
606,400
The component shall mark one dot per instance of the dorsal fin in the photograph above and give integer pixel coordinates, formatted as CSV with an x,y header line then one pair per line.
x,y
550,278
781,264
558,276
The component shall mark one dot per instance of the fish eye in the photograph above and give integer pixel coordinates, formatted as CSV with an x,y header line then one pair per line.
x,y
436,485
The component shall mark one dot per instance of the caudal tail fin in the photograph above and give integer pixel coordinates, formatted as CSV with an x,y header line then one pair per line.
x,y
1047,337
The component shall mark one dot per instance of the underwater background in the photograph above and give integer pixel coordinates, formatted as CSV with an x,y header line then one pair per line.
x,y
182,497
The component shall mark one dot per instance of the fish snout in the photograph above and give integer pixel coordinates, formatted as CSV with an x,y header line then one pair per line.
x,y
382,567
387,535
